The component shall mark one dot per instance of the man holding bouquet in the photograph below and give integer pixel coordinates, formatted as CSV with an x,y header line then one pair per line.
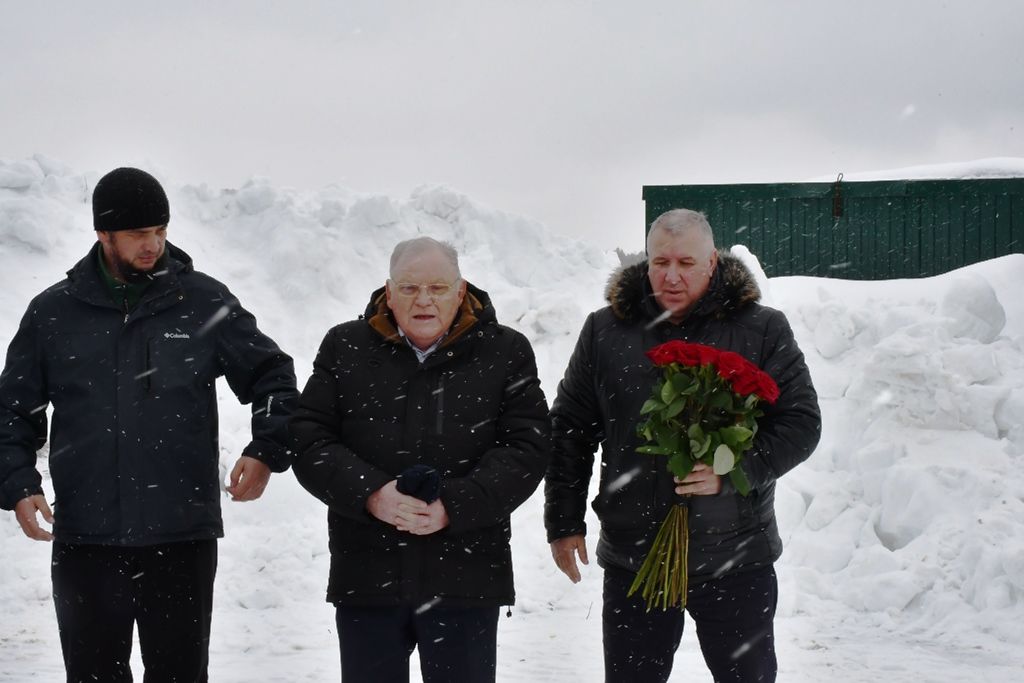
x,y
686,291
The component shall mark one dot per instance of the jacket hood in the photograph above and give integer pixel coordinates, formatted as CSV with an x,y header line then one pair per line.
x,y
476,310
732,287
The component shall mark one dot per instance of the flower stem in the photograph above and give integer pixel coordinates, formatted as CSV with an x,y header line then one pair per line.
x,y
662,579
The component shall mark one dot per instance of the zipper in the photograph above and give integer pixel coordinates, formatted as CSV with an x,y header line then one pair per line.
x,y
148,367
439,393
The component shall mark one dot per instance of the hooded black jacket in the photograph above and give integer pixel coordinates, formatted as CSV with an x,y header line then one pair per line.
x,y
599,400
473,410
133,446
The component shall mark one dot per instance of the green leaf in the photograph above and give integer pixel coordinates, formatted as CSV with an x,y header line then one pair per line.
x,y
644,431
692,389
735,435
681,381
695,432
668,393
666,436
680,465
650,405
725,459
674,409
740,481
654,450
720,400
698,449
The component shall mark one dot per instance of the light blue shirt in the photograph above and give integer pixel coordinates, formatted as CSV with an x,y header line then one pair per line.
x,y
421,354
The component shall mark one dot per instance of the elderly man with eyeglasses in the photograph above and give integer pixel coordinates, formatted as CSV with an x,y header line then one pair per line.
x,y
422,427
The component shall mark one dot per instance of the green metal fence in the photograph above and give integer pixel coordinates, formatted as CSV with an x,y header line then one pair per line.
x,y
859,230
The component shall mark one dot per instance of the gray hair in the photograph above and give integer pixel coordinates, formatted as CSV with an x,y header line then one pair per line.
x,y
679,221
418,245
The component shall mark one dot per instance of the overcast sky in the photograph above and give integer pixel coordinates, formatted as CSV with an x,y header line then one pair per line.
x,y
557,110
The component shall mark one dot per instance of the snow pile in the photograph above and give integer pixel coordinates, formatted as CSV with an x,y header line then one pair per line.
x,y
914,502
904,531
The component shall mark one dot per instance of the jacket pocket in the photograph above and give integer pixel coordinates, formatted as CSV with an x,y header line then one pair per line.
x,y
175,360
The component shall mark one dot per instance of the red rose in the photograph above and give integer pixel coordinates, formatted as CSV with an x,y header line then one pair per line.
x,y
767,388
708,354
664,354
681,352
730,365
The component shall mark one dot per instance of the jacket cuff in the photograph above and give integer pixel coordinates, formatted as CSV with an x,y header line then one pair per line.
x,y
276,457
11,497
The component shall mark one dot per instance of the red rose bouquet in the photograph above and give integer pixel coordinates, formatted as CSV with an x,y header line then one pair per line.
x,y
705,409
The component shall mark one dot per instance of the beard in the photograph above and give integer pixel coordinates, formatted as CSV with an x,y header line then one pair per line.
x,y
132,275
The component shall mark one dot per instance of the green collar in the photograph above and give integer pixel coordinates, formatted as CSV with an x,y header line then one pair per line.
x,y
125,294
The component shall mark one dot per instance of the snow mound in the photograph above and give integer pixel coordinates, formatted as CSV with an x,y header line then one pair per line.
x,y
909,518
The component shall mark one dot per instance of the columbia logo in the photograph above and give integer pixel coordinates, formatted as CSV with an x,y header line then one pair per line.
x,y
176,335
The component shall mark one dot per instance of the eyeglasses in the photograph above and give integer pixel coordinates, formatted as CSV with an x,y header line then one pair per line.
x,y
435,290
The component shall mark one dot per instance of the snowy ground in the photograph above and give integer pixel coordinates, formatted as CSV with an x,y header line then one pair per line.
x,y
904,532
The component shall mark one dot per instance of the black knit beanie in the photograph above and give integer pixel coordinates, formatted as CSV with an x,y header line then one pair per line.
x,y
127,199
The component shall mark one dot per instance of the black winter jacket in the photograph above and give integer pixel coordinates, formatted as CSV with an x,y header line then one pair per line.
x,y
473,410
133,445
599,400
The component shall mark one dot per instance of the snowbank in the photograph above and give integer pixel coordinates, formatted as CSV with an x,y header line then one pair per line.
x,y
904,532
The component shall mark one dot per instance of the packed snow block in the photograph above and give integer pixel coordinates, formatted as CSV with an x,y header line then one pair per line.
x,y
829,503
20,175
35,223
1013,562
440,201
1008,419
889,591
830,548
912,496
871,462
332,212
834,331
973,309
514,303
966,408
970,363
555,317
789,510
377,211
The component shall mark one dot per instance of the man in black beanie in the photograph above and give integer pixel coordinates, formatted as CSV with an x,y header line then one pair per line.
x,y
127,350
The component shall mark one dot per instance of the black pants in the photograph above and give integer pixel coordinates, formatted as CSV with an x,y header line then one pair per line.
x,y
734,620
101,592
456,644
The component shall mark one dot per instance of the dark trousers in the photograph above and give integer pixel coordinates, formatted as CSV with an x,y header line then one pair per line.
x,y
734,620
101,592
456,644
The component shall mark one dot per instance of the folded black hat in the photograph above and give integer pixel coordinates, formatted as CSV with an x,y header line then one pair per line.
x,y
420,481
128,199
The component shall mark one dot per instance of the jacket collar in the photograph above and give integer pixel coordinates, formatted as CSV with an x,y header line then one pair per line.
x,y
732,287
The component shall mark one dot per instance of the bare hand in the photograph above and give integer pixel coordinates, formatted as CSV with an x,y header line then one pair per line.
x,y
25,512
701,481
564,551
425,522
397,509
249,479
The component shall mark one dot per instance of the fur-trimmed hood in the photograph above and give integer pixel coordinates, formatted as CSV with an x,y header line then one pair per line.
x,y
732,287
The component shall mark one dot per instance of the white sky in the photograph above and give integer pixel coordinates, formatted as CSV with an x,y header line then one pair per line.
x,y
559,110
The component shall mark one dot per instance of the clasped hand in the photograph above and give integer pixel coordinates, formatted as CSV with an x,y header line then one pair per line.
x,y
406,513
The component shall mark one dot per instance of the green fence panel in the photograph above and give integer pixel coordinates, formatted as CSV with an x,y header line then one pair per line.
x,y
859,230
